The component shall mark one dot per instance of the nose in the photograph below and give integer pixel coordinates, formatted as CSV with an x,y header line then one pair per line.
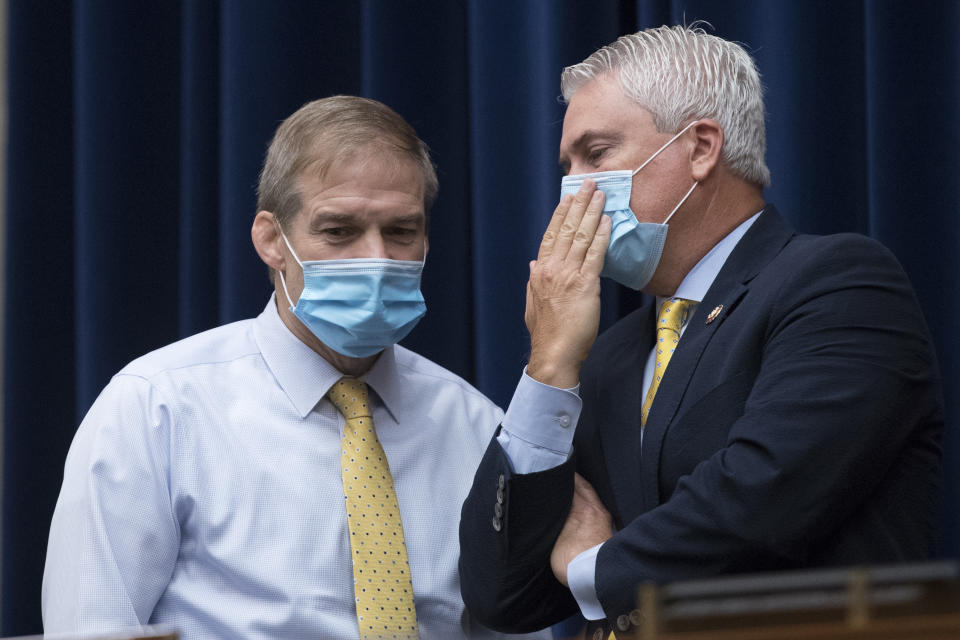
x,y
373,246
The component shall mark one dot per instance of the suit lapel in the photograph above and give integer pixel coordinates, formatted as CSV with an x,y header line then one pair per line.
x,y
765,238
675,381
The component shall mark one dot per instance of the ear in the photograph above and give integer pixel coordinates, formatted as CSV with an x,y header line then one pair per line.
x,y
266,238
708,148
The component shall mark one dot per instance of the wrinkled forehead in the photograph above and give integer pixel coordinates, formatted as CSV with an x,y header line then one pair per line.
x,y
361,182
371,164
325,155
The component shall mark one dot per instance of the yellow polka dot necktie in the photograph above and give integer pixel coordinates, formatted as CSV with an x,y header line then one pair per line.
x,y
381,572
673,315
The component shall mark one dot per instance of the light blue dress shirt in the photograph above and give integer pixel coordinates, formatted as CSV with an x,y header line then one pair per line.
x,y
537,450
203,491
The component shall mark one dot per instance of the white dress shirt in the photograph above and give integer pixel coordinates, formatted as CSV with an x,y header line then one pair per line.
x,y
538,451
203,491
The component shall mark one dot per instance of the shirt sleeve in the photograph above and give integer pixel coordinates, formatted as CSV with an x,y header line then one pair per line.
x,y
537,430
580,577
114,538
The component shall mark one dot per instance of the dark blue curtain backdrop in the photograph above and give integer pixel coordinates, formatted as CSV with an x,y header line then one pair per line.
x,y
137,129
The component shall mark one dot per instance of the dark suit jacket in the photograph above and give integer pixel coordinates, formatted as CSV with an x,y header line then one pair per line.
x,y
798,427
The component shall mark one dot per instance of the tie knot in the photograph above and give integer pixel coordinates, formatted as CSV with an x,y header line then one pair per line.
x,y
673,314
349,396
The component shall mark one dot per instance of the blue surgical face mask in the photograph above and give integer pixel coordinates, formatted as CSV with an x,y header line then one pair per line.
x,y
358,306
635,247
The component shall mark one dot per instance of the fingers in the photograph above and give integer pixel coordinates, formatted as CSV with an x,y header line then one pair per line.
x,y
597,251
563,301
586,230
583,487
529,310
553,229
584,493
570,227
564,230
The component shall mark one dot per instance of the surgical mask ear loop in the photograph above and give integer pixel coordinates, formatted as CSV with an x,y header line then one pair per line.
x,y
283,280
656,153
423,261
682,200
668,143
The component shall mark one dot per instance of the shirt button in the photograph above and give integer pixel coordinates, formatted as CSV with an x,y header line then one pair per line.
x,y
623,623
635,617
497,523
498,510
564,421
501,482
598,634
499,495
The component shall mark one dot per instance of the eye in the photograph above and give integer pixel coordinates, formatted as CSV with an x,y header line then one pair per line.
x,y
596,154
336,233
402,233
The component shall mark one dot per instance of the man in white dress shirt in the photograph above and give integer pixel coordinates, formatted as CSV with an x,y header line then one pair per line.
x,y
203,490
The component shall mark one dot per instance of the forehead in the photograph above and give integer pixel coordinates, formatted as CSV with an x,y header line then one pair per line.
x,y
601,108
372,180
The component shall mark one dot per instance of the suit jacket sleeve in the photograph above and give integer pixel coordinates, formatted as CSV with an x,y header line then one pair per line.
x,y
508,526
845,376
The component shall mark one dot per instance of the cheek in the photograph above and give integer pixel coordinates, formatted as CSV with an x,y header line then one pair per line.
x,y
646,204
293,277
412,251
652,200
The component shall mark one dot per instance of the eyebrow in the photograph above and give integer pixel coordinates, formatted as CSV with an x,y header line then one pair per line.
x,y
584,140
326,217
320,217
416,218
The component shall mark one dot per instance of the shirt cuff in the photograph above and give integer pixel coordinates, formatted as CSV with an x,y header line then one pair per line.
x,y
525,457
581,577
542,415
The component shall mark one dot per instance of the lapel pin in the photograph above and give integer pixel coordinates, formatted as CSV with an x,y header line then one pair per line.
x,y
713,314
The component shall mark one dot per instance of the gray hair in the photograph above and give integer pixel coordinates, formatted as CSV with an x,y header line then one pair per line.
x,y
680,74
330,130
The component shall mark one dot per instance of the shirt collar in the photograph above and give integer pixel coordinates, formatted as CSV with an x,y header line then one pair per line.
x,y
304,375
386,379
300,371
696,283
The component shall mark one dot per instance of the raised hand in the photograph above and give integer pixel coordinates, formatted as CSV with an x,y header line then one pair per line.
x,y
563,293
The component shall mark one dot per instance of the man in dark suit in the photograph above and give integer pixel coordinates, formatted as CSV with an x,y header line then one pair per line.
x,y
776,406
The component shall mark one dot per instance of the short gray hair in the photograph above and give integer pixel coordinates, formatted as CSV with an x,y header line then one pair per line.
x,y
680,74
331,130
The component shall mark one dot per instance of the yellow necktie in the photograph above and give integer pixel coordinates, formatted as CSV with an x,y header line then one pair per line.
x,y
673,314
381,572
